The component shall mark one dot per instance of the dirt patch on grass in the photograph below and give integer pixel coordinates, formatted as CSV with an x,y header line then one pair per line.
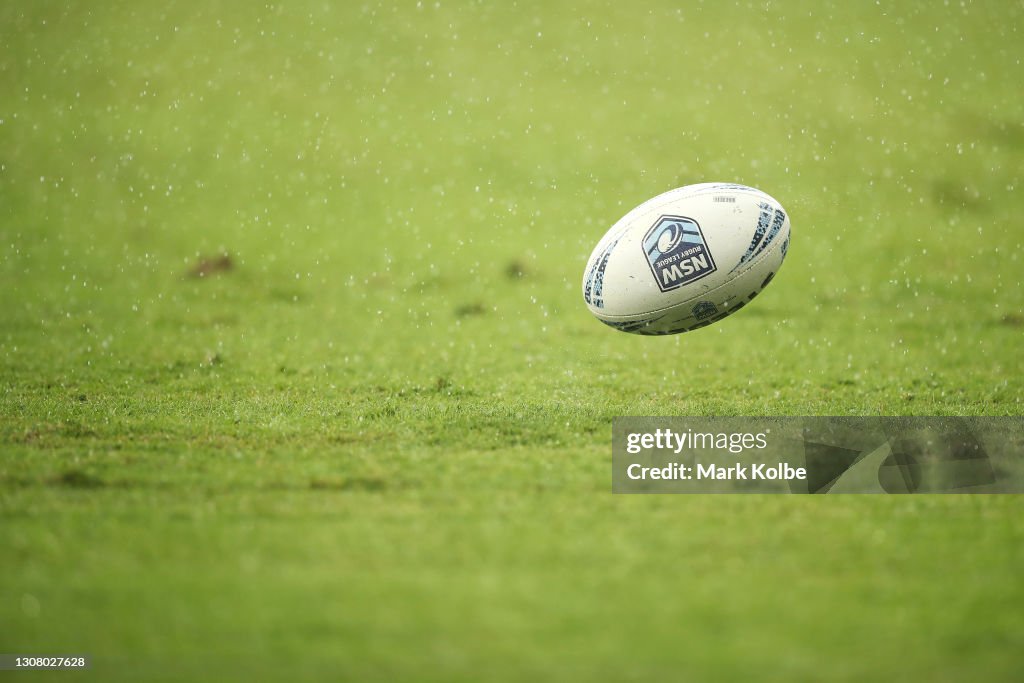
x,y
212,265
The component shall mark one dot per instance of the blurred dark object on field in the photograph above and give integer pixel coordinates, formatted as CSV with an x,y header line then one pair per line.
x,y
211,265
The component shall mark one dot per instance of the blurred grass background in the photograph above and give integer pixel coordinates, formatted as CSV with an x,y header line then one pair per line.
x,y
374,441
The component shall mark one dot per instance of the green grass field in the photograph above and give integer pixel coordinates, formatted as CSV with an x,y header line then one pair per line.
x,y
377,445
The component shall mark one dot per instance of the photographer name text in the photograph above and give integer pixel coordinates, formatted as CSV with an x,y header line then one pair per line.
x,y
677,442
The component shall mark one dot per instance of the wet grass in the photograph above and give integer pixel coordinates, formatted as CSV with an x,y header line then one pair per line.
x,y
297,382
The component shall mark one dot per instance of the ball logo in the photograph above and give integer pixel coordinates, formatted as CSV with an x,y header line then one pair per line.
x,y
705,309
676,252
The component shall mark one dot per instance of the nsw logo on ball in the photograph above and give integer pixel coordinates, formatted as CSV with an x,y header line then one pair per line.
x,y
677,253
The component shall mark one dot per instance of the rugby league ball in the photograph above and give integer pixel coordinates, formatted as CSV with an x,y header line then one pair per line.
x,y
686,259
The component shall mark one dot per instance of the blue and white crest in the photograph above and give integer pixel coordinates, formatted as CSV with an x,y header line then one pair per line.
x,y
676,252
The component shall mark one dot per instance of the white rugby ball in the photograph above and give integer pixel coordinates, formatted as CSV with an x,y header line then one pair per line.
x,y
686,258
